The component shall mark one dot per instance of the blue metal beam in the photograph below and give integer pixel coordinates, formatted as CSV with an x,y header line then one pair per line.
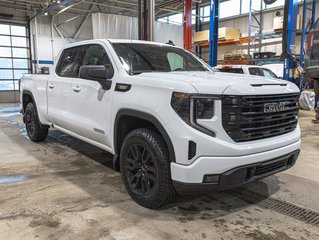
x,y
213,32
289,38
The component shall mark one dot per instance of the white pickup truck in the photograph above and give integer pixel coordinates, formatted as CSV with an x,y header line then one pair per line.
x,y
172,123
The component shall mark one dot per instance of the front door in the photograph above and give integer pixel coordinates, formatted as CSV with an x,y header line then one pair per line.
x,y
91,104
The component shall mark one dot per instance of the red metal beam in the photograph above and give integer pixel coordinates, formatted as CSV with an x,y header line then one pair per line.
x,y
188,24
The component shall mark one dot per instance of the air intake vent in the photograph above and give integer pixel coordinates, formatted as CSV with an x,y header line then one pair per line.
x,y
191,150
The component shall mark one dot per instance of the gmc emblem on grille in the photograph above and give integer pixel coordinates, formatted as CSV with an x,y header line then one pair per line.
x,y
275,107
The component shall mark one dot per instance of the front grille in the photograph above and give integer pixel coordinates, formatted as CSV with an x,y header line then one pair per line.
x,y
245,119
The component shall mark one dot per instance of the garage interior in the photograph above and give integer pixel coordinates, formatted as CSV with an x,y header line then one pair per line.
x,y
65,188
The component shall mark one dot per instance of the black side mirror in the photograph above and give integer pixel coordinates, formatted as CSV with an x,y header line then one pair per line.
x,y
98,73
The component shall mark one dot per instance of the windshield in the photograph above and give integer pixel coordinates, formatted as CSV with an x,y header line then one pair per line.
x,y
138,58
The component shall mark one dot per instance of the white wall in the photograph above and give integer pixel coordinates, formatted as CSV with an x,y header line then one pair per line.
x,y
123,27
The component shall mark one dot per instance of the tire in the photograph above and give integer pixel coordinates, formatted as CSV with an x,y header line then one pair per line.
x,y
145,168
36,131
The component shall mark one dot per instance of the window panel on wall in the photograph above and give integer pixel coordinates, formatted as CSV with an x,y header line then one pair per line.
x,y
5,63
19,42
6,85
21,63
18,73
5,52
14,59
20,52
6,74
176,18
5,41
4,29
229,8
18,31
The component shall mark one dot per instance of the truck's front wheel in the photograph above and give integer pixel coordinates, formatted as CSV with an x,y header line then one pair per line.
x,y
36,131
145,168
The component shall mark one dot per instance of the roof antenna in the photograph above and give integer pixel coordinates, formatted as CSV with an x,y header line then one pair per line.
x,y
170,42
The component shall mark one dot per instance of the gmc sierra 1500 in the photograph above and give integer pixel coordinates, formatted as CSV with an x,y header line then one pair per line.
x,y
172,123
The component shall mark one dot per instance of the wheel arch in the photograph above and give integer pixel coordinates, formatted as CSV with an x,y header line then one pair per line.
x,y
27,97
146,120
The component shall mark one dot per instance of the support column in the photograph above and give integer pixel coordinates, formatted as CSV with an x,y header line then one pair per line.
x,y
213,32
188,25
139,17
151,19
198,27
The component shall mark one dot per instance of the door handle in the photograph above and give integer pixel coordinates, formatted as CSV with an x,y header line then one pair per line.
x,y
76,89
51,85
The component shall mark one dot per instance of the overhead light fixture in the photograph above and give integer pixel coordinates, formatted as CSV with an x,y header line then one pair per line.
x,y
46,14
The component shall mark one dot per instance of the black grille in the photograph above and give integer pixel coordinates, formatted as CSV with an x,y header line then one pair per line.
x,y
245,119
261,170
191,150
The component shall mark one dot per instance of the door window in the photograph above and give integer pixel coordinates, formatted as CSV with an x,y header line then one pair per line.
x,y
96,55
175,61
71,61
231,70
255,71
73,58
268,73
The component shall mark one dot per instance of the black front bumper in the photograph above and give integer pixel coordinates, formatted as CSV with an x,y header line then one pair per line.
x,y
241,175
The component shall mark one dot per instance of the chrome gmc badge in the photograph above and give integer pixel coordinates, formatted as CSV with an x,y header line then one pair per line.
x,y
275,107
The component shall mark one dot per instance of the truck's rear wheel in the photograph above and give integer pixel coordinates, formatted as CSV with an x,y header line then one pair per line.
x,y
145,168
36,131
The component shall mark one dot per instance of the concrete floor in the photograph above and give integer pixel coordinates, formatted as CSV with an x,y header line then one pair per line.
x,y
66,189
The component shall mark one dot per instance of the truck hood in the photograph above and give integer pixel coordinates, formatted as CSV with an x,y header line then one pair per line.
x,y
226,83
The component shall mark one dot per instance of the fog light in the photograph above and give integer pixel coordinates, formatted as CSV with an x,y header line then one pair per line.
x,y
211,178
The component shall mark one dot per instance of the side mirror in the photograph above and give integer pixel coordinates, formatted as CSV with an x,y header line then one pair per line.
x,y
98,73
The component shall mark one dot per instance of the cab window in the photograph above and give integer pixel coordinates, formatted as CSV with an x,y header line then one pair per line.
x,y
73,58
231,70
175,61
268,73
71,61
255,71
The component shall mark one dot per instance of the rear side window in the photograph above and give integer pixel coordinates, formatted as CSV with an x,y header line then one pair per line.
x,y
73,58
255,71
231,70
71,61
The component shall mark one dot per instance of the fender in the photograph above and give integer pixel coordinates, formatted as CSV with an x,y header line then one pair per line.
x,y
145,116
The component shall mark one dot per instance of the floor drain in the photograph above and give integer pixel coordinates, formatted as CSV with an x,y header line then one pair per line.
x,y
288,209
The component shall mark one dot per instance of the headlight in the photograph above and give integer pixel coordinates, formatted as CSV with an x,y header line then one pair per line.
x,y
192,107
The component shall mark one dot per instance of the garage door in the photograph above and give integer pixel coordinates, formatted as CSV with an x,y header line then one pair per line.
x,y
14,56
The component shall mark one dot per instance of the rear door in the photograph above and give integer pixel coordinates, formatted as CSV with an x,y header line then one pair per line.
x,y
60,108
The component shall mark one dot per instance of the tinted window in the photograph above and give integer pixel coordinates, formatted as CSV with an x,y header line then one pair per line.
x,y
71,61
73,58
255,71
96,55
268,73
231,70
137,58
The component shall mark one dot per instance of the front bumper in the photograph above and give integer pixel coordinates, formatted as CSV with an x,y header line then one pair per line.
x,y
232,171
